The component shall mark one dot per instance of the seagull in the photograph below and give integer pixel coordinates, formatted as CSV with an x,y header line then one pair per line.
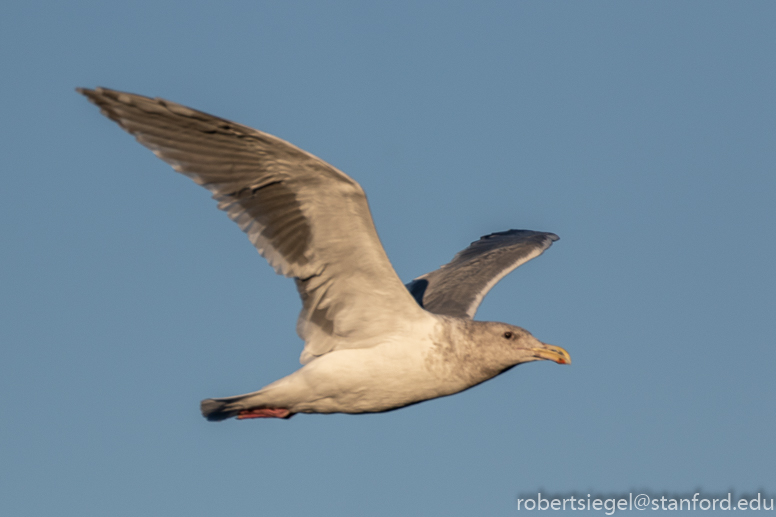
x,y
371,344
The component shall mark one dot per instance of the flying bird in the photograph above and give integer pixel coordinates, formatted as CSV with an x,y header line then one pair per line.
x,y
372,344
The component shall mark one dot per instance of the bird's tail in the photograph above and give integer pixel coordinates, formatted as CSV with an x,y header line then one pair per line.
x,y
216,410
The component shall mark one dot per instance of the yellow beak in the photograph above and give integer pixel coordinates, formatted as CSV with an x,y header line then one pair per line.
x,y
552,353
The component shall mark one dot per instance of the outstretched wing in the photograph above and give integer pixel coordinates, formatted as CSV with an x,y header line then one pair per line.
x,y
308,219
458,287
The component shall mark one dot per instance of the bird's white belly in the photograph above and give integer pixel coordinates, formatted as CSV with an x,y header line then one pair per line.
x,y
379,378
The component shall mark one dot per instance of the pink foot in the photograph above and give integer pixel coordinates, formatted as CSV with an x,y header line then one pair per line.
x,y
264,413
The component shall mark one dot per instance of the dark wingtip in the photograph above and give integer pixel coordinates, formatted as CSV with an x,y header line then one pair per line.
x,y
88,92
529,233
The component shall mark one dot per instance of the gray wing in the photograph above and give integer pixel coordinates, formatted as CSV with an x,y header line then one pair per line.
x,y
458,287
309,220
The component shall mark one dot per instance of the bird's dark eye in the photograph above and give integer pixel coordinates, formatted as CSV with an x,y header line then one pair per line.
x,y
508,334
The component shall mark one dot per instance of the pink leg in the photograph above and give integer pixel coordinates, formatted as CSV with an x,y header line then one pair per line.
x,y
264,413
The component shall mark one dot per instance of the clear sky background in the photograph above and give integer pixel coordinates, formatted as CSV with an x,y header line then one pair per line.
x,y
642,133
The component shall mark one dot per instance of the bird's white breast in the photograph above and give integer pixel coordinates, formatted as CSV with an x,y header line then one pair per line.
x,y
392,374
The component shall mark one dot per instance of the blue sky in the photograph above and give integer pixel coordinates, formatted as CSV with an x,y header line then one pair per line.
x,y
642,133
